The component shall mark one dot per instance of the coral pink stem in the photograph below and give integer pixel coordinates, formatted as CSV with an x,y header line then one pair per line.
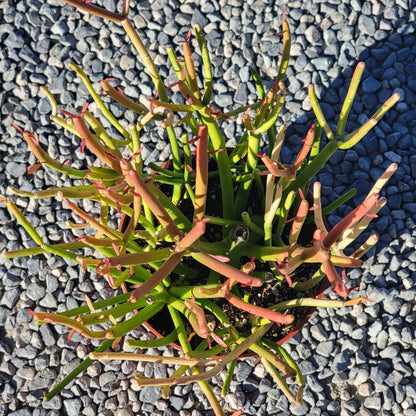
x,y
273,316
352,218
329,269
227,270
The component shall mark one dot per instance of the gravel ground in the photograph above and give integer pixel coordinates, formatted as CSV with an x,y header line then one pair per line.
x,y
357,361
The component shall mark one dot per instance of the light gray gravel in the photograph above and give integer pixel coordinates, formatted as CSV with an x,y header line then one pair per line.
x,y
357,361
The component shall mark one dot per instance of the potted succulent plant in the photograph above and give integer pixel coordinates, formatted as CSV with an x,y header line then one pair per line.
x,y
220,249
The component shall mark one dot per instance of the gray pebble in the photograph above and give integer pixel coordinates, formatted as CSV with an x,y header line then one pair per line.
x,y
375,328
366,25
382,339
313,35
35,291
108,381
127,63
10,297
391,352
73,406
392,305
319,333
298,410
308,366
322,64
341,362
223,100
8,393
125,412
28,373
149,394
28,352
241,95
243,371
16,169
177,402
379,373
11,280
361,377
373,402
47,335
199,18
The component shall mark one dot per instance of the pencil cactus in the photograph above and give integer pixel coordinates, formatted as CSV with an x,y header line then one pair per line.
x,y
163,258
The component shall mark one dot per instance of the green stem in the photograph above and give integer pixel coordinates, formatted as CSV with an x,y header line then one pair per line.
x,y
78,370
45,159
307,302
108,115
85,191
33,251
278,379
164,171
318,112
238,153
316,143
228,378
127,326
221,221
223,162
216,311
284,211
95,318
269,356
157,81
183,340
156,206
174,212
142,257
310,283
314,167
286,50
206,62
286,356
66,124
158,276
101,133
339,202
243,108
97,305
174,62
153,343
187,292
350,140
352,91
274,113
23,221
146,58
187,162
135,146
51,100
251,225
123,100
259,83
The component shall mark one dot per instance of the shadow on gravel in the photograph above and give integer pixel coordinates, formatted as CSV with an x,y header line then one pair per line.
x,y
390,68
